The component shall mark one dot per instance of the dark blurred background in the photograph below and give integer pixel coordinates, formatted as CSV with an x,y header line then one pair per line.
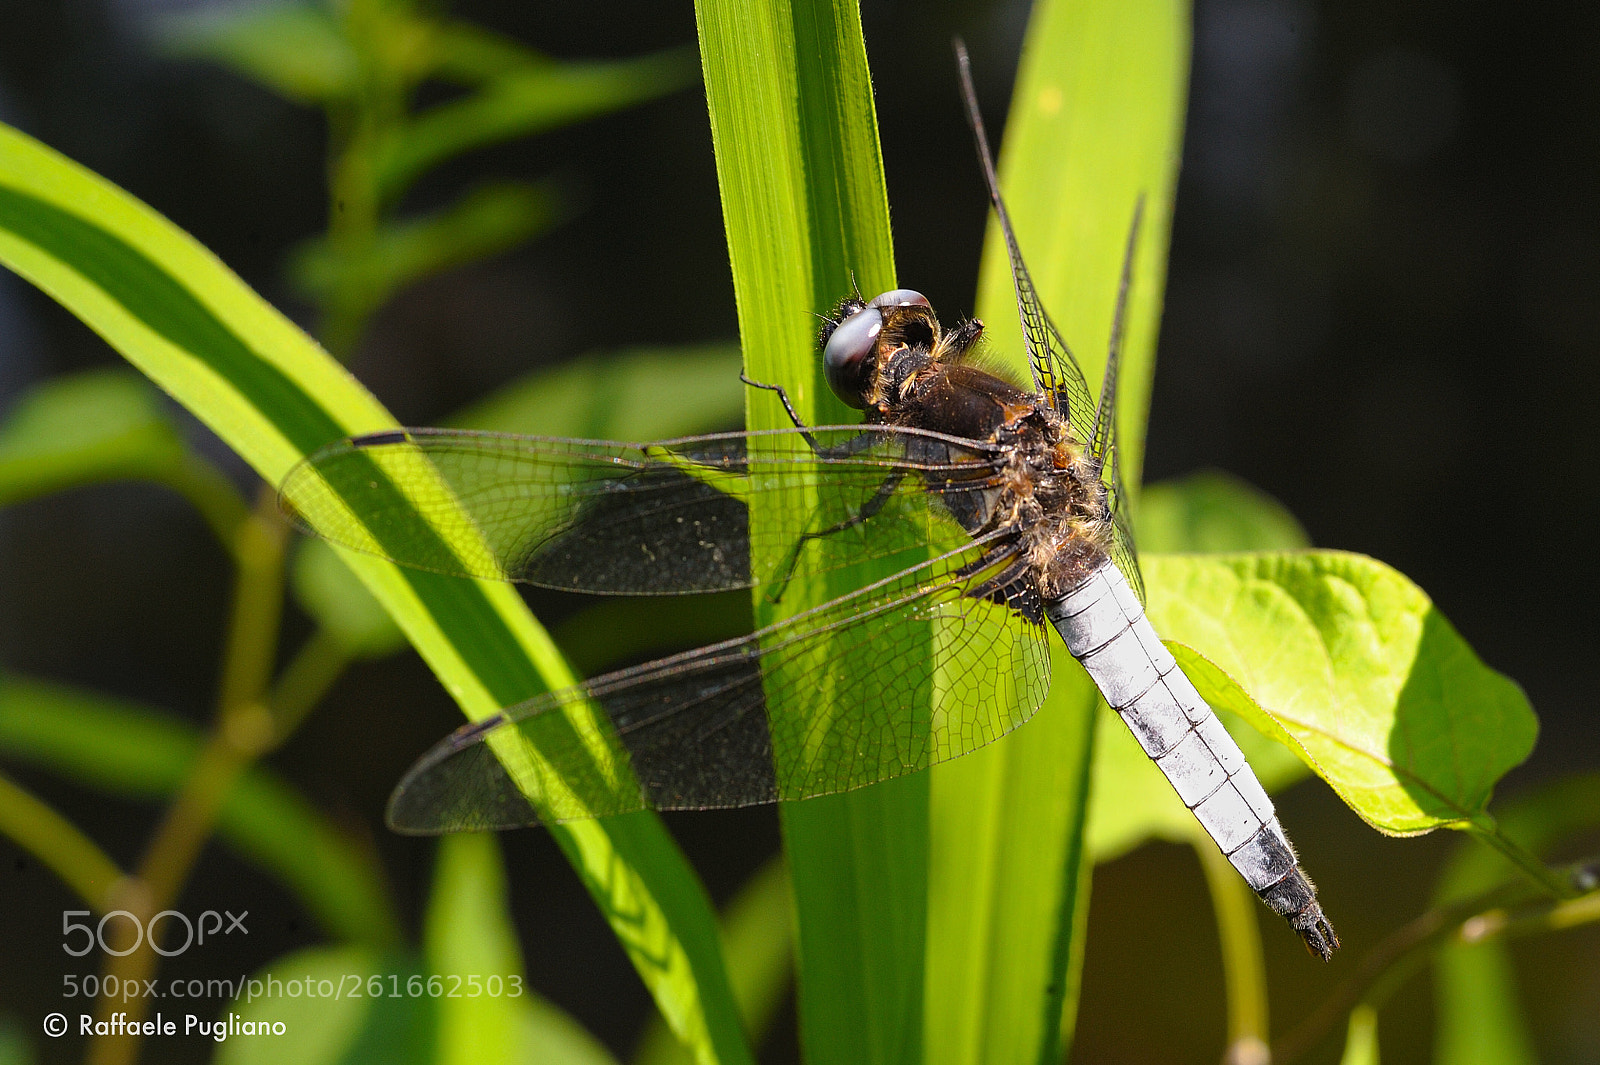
x,y
1383,309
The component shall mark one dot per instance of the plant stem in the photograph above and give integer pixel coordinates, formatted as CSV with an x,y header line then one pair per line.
x,y
242,731
58,844
1554,882
1396,955
320,661
1243,967
210,493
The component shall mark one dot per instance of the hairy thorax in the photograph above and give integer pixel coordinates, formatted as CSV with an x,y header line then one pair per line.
x,y
1048,493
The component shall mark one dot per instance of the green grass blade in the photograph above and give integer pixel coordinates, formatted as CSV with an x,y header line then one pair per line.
x,y
468,930
186,321
804,206
1097,118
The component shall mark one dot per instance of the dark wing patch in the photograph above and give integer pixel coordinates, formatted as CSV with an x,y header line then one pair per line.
x,y
645,519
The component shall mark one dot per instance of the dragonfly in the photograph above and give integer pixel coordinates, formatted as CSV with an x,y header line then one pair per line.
x,y
998,511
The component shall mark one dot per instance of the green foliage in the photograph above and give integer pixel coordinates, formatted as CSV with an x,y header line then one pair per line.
x,y
273,395
1353,665
939,917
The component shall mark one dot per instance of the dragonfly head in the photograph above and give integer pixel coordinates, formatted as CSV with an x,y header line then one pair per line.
x,y
850,342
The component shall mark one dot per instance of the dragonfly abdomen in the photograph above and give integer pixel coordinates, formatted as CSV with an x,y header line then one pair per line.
x,y
1105,628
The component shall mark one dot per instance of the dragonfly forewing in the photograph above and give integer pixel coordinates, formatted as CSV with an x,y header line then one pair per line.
x,y
640,519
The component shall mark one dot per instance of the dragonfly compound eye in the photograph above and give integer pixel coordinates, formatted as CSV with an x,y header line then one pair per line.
x,y
900,297
847,357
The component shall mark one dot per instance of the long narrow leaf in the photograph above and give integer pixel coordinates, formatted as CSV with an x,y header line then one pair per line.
x,y
1096,120
803,199
265,388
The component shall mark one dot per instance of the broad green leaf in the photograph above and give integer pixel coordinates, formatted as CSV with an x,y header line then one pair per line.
x,y
1354,667
527,100
484,222
295,49
1096,120
1212,511
130,750
267,390
803,203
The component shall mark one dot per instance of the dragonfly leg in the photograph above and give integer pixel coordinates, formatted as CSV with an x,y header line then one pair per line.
x,y
861,516
783,397
853,446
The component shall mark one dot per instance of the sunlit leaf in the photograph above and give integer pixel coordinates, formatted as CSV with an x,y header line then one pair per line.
x,y
1354,667
338,1006
758,940
803,202
469,931
1361,1037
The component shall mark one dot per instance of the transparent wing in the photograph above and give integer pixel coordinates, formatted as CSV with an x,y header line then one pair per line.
x,y
1055,372
656,518
1123,550
1103,445
916,669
